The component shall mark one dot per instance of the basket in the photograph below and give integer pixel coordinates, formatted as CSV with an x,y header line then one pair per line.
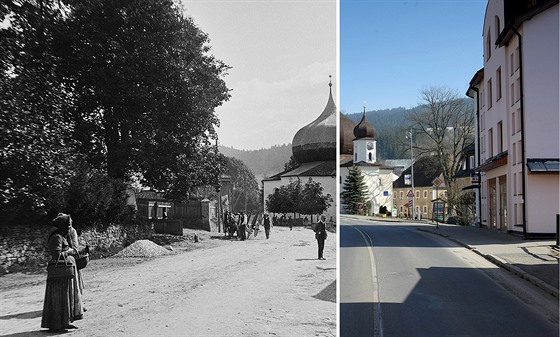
x,y
82,261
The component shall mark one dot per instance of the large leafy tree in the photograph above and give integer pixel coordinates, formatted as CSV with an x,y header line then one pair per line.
x,y
354,193
443,127
37,148
144,88
296,197
313,201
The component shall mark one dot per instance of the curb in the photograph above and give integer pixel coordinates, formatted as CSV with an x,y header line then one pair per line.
x,y
502,264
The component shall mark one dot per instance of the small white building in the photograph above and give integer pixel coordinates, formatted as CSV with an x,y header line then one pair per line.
x,y
358,147
517,109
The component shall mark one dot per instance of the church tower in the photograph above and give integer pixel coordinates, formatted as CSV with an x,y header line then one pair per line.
x,y
364,142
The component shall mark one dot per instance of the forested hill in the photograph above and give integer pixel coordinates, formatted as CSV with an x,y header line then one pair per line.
x,y
389,125
263,162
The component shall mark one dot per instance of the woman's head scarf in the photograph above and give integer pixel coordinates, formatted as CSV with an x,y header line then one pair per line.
x,y
62,221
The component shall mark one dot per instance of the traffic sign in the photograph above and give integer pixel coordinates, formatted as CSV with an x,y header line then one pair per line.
x,y
437,182
410,194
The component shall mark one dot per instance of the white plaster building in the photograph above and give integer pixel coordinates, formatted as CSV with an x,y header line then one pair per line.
x,y
358,147
517,104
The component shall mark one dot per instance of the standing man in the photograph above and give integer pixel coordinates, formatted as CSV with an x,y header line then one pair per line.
x,y
266,225
321,236
243,226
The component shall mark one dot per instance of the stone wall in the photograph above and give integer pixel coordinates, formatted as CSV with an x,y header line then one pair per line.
x,y
27,245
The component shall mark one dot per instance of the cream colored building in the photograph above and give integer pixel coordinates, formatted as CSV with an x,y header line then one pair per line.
x,y
517,104
359,148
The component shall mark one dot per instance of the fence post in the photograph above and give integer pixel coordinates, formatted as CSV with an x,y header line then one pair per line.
x,y
557,228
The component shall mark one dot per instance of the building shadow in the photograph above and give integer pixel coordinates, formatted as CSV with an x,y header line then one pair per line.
x,y
328,294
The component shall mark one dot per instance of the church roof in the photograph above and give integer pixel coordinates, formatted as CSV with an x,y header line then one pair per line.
x,y
313,169
364,129
346,135
317,140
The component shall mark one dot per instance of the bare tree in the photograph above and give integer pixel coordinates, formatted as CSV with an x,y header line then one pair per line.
x,y
443,125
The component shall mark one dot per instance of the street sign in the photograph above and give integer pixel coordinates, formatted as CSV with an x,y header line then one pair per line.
x,y
410,194
437,182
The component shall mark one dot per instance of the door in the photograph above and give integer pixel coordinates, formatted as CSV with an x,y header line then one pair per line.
x,y
503,203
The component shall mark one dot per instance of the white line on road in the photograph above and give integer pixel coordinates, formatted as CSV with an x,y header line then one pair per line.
x,y
377,319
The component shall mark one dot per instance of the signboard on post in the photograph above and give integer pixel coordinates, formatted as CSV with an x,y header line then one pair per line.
x,y
410,194
437,182
407,179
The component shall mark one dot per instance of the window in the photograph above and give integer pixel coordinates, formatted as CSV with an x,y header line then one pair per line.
x,y
514,153
498,83
488,45
516,58
471,162
417,194
513,123
369,156
511,64
490,142
425,194
425,209
514,182
518,119
500,138
519,149
512,93
401,194
489,88
497,26
355,157
517,90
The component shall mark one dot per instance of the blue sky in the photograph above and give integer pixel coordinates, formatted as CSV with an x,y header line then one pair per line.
x,y
390,50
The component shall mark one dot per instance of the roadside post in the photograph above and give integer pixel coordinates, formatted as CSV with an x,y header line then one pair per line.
x,y
557,229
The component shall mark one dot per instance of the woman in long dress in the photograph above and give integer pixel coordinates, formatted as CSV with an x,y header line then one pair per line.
x,y
72,238
63,302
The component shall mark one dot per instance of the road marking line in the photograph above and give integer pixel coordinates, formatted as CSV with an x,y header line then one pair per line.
x,y
377,319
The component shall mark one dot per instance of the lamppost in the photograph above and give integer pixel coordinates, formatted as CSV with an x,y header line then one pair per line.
x,y
409,135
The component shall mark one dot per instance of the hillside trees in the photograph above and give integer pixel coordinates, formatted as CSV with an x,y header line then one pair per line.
x,y
245,192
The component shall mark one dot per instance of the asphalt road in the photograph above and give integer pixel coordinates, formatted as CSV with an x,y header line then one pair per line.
x,y
398,281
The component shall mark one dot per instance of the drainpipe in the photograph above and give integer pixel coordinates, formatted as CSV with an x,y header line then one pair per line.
x,y
479,212
523,170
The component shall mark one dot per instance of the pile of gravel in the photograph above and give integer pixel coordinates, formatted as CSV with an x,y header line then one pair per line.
x,y
143,248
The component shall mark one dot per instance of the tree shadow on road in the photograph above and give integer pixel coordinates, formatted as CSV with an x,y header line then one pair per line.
x,y
24,315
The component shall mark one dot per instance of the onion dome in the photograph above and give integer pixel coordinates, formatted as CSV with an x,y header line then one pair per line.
x,y
364,129
317,140
346,134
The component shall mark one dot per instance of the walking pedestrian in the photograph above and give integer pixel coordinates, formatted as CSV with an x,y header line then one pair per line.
x,y
266,226
321,236
63,301
243,226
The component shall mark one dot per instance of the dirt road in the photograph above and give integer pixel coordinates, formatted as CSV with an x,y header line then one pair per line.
x,y
257,287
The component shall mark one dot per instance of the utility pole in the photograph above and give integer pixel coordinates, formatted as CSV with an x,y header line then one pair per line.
x,y
412,172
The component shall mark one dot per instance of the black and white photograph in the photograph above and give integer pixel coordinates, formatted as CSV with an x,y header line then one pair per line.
x,y
168,168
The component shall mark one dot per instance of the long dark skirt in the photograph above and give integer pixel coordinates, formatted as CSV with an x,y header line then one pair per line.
x,y
63,303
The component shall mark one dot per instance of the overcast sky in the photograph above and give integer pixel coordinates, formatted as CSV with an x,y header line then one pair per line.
x,y
281,53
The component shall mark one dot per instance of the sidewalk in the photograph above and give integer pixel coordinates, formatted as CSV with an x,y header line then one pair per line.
x,y
533,260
